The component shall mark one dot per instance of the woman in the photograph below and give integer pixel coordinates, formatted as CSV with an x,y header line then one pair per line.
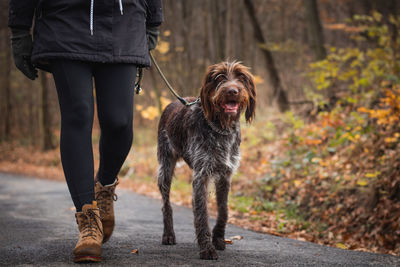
x,y
78,41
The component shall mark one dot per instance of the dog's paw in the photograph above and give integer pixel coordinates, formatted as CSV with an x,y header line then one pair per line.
x,y
219,243
168,239
208,254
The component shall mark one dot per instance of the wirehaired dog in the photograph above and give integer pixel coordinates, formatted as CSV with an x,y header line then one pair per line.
x,y
207,136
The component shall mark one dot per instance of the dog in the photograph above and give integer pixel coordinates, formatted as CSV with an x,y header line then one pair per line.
x,y
207,137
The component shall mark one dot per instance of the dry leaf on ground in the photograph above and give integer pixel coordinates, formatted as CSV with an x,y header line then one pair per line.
x,y
237,237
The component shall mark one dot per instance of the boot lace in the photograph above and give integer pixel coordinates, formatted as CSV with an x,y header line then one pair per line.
x,y
92,226
103,198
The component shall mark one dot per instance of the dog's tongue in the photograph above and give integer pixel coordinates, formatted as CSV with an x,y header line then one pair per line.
x,y
231,107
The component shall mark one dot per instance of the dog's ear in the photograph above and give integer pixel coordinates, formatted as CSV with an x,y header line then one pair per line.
x,y
249,83
207,85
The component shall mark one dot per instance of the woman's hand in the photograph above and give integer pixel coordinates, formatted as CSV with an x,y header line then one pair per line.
x,y
21,43
152,37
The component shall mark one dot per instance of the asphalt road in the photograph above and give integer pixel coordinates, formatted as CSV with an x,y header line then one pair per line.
x,y
37,227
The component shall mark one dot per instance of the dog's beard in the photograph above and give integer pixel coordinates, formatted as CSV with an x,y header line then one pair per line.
x,y
226,117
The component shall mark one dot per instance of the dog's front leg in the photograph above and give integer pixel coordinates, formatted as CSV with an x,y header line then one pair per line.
x,y
222,185
207,250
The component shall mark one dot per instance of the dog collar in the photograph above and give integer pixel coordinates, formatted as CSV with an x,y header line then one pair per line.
x,y
217,129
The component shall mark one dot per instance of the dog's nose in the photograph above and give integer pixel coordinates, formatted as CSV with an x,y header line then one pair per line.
x,y
233,91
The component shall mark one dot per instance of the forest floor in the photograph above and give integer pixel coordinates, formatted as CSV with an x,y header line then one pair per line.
x,y
296,179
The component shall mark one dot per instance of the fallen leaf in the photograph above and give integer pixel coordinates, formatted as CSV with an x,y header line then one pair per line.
x,y
135,251
341,245
236,237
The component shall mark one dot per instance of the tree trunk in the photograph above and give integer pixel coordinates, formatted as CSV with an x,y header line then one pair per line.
x,y
206,40
217,17
47,136
228,29
187,38
315,33
242,36
7,89
211,31
279,93
394,29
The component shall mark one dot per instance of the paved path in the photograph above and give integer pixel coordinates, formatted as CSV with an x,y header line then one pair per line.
x,y
37,227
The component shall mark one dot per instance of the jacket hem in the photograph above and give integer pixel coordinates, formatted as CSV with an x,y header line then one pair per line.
x,y
42,58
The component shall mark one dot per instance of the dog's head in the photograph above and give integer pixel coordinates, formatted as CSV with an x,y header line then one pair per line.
x,y
228,89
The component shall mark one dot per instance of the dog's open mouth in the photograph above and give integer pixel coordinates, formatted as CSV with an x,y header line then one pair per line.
x,y
231,107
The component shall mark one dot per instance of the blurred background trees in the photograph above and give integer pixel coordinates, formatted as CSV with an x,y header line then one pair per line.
x,y
277,39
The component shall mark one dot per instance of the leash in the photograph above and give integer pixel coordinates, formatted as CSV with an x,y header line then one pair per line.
x,y
140,76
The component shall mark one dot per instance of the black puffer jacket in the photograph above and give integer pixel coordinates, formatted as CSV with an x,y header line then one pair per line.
x,y
89,30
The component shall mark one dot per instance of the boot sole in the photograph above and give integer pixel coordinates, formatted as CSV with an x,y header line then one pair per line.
x,y
87,258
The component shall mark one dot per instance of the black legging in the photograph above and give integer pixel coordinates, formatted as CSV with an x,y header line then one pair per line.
x,y
114,96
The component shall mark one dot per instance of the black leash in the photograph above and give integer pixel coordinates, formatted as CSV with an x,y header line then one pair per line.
x,y
140,77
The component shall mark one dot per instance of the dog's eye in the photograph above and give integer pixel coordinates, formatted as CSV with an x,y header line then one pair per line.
x,y
220,77
244,80
242,77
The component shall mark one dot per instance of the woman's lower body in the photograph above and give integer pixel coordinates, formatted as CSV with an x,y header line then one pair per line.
x,y
114,95
114,90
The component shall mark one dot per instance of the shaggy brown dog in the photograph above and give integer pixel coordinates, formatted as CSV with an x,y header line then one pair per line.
x,y
207,136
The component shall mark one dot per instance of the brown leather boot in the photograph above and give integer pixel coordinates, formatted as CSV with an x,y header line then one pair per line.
x,y
105,197
88,248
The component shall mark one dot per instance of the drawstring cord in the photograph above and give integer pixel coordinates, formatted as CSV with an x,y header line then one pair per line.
x,y
91,16
121,8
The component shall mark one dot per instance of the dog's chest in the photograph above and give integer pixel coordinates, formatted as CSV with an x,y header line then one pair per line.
x,y
216,153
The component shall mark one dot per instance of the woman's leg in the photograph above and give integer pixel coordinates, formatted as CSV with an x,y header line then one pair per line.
x,y
75,94
114,95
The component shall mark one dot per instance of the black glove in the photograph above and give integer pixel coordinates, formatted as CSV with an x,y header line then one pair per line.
x,y
21,43
152,37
